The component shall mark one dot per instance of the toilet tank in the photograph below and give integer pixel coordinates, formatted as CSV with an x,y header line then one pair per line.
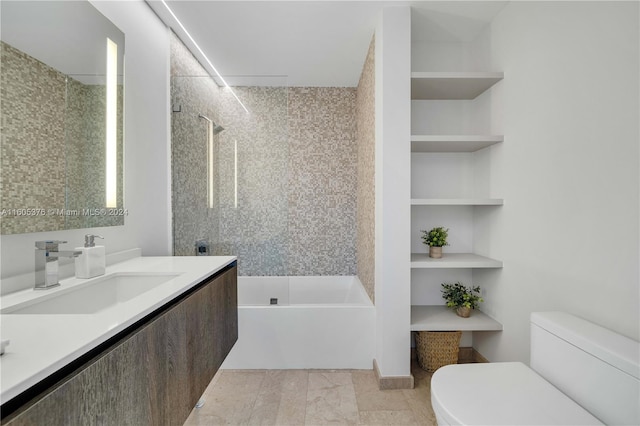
x,y
596,367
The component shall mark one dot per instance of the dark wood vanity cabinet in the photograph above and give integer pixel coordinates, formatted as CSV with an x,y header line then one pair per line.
x,y
154,372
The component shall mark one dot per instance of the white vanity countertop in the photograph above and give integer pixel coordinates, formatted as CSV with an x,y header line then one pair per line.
x,y
42,344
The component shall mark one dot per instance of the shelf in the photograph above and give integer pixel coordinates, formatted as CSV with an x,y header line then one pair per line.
x,y
451,85
453,260
457,201
452,143
441,318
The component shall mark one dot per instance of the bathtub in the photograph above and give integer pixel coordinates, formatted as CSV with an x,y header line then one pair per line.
x,y
325,322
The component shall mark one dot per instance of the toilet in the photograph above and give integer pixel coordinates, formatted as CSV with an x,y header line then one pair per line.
x,y
580,374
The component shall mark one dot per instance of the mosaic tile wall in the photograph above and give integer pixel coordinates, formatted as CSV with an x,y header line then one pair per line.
x,y
366,140
322,181
75,152
93,165
296,177
253,228
192,219
52,146
86,159
32,97
256,228
193,92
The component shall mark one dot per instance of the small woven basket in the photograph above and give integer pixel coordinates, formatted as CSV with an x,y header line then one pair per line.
x,y
437,348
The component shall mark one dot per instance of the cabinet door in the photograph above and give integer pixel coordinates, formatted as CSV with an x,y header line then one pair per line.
x,y
113,389
212,329
153,376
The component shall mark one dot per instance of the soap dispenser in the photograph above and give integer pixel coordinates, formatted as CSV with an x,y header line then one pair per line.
x,y
91,262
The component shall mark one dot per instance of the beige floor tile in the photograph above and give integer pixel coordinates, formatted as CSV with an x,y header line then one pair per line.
x,y
331,399
231,400
369,396
312,397
325,380
282,398
265,409
388,417
419,398
241,379
422,412
205,420
293,405
419,401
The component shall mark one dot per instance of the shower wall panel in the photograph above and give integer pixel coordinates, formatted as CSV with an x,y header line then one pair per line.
x,y
286,173
193,92
322,181
253,176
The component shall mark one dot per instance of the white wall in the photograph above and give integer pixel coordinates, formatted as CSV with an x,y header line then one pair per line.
x,y
568,170
147,123
443,55
392,191
146,138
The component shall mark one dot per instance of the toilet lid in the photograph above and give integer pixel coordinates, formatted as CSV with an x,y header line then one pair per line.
x,y
505,393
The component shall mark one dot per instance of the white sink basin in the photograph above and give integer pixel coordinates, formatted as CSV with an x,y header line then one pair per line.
x,y
93,296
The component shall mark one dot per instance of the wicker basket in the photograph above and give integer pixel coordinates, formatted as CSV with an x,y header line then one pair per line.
x,y
437,348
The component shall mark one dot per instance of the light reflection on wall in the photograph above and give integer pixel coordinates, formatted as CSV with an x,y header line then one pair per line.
x,y
111,132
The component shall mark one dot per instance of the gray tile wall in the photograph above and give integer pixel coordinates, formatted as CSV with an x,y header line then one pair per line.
x,y
33,143
193,92
296,176
85,154
366,140
75,152
257,229
192,219
53,153
322,181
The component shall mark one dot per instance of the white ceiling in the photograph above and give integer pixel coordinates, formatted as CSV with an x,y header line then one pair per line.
x,y
312,43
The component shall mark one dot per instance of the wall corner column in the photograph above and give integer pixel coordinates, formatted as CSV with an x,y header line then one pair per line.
x,y
392,196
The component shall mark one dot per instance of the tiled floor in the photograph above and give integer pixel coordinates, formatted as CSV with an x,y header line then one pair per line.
x,y
312,397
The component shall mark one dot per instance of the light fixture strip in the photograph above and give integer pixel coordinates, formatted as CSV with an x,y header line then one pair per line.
x,y
210,177
111,144
235,174
203,55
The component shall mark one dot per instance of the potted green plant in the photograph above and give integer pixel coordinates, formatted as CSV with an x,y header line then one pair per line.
x,y
461,298
436,238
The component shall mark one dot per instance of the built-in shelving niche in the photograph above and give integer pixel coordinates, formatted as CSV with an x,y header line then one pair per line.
x,y
450,130
441,318
451,85
452,143
453,261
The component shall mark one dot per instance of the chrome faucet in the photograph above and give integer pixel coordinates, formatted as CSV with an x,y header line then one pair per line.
x,y
47,255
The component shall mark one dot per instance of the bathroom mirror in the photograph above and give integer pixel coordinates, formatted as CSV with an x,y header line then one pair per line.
x,y
61,148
